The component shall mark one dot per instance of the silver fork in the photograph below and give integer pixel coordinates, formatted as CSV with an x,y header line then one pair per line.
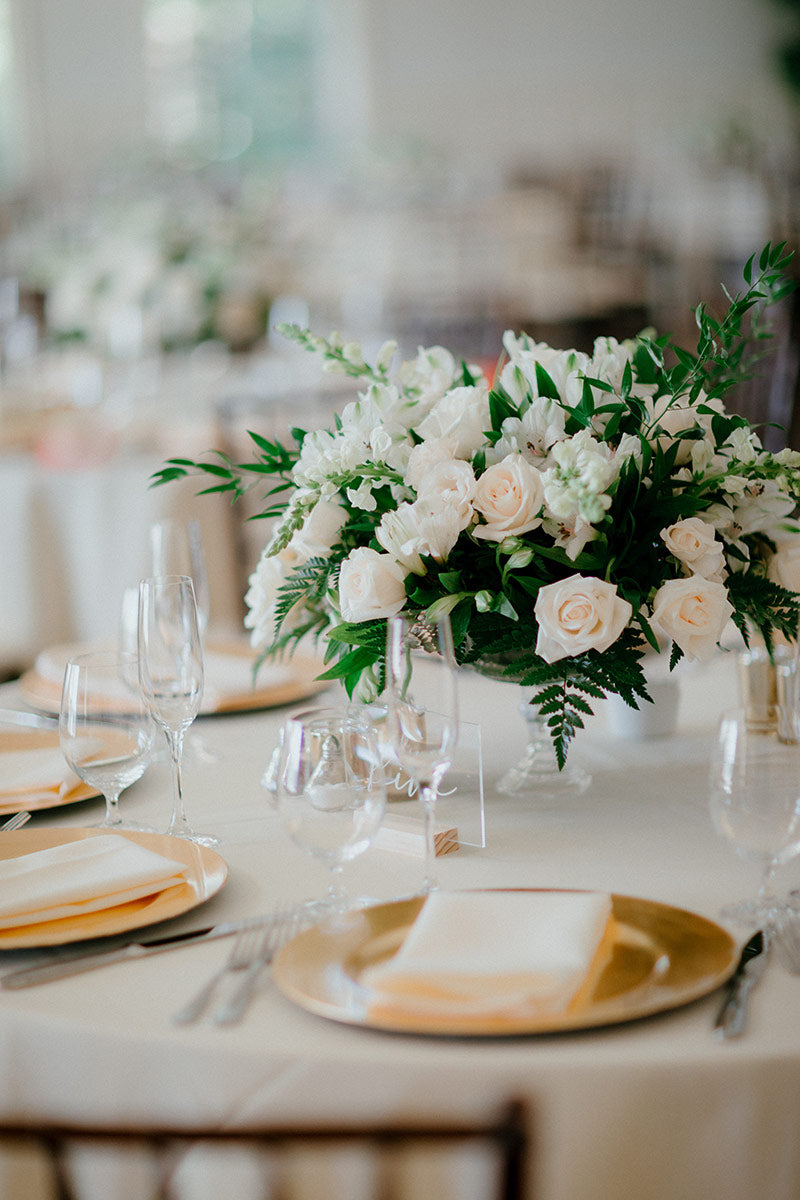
x,y
16,822
280,929
240,957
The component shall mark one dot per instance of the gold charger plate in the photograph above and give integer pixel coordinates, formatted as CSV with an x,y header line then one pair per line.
x,y
207,874
33,801
44,693
659,958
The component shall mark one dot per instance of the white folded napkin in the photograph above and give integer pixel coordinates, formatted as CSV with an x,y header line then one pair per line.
x,y
35,772
486,954
81,877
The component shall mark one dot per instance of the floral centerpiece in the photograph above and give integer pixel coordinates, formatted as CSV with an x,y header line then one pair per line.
x,y
567,514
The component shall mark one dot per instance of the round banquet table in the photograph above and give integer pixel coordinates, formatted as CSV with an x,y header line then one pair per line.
x,y
654,1108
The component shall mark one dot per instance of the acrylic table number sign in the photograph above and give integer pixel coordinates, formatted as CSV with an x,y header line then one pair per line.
x,y
460,809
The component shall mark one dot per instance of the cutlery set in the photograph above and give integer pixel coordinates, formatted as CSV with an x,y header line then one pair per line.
x,y
256,941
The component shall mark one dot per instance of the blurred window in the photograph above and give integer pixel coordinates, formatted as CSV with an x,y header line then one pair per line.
x,y
230,79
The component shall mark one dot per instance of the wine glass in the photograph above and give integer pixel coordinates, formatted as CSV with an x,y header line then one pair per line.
x,y
755,802
330,790
105,729
176,548
422,711
171,673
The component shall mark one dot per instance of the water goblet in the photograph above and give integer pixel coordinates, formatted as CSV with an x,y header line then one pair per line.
x,y
329,788
755,802
422,712
171,674
105,730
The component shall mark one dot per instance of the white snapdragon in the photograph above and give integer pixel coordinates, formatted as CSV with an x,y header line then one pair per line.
x,y
577,483
325,455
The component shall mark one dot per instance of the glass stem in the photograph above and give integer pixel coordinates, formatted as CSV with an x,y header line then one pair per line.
x,y
427,795
179,826
770,867
112,808
336,893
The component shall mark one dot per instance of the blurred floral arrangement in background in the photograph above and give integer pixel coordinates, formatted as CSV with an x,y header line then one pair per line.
x,y
569,515
157,273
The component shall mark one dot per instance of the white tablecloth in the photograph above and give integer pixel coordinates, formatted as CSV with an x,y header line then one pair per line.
x,y
655,1108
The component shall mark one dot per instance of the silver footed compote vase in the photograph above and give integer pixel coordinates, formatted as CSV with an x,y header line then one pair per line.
x,y
537,773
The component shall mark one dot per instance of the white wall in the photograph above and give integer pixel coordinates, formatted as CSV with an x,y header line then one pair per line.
x,y
529,80
527,83
81,71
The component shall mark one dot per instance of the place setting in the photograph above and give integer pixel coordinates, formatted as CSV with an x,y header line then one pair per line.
x,y
65,885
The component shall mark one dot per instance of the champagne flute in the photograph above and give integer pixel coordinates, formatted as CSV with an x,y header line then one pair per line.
x,y
755,802
330,790
105,730
176,548
171,674
422,711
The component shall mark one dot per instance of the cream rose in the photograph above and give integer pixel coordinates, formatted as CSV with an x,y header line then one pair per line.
x,y
692,612
694,543
370,586
578,614
510,496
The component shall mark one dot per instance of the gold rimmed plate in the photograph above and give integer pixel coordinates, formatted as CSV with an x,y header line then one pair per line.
x,y
33,799
284,683
658,958
206,873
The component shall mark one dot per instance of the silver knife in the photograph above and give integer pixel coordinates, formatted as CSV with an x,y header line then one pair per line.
x,y
9,716
732,1015
62,967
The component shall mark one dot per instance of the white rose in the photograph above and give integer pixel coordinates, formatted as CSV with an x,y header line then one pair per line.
x,y
694,543
692,612
509,496
427,455
449,485
370,586
262,597
784,565
578,614
461,414
411,531
319,532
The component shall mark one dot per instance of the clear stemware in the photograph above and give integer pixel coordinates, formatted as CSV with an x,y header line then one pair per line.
x,y
105,730
171,674
176,548
755,803
330,790
422,712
